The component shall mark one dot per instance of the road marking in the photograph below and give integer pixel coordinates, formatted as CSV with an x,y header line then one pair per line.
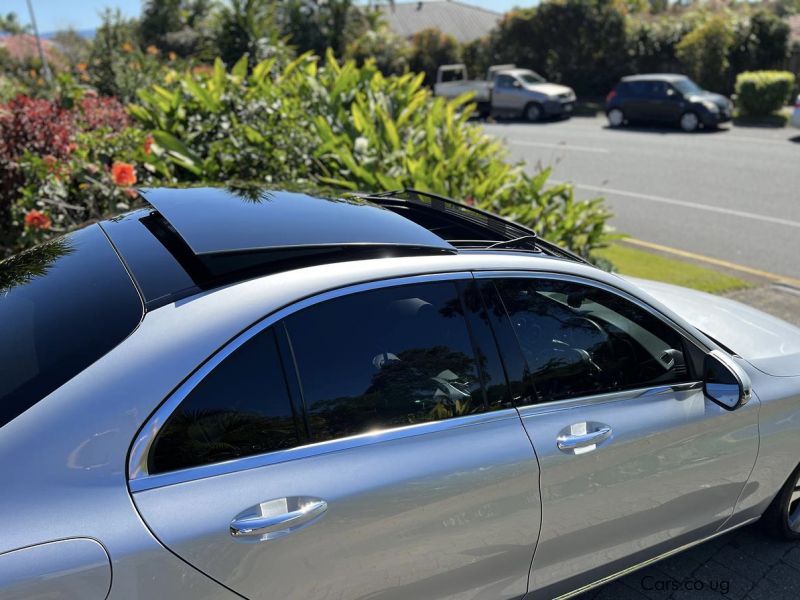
x,y
774,277
559,146
715,209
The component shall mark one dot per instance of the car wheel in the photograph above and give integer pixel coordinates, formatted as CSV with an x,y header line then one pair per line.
x,y
689,121
616,118
783,515
533,112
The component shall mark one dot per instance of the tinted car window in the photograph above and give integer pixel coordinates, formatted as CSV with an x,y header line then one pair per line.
x,y
63,305
505,81
580,340
241,408
385,358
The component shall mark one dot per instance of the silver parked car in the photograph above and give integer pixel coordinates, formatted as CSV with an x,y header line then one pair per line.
x,y
389,397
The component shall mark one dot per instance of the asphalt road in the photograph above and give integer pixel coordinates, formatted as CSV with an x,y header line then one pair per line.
x,y
731,194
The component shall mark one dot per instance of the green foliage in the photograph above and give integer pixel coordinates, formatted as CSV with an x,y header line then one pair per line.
x,y
249,28
388,50
306,125
178,26
118,67
431,48
761,93
652,43
315,26
762,42
10,24
477,56
705,52
579,42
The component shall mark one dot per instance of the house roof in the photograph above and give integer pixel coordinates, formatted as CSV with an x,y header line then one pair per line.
x,y
462,21
794,28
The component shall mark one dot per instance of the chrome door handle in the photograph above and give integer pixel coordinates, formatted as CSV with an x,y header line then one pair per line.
x,y
583,440
254,523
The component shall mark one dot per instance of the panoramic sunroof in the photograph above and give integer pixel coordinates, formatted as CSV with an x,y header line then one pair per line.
x,y
216,221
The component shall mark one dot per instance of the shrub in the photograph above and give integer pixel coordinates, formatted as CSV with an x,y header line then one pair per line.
x,y
431,48
705,50
763,92
303,126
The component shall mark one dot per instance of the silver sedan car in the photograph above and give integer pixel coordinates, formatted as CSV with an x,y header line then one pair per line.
x,y
276,396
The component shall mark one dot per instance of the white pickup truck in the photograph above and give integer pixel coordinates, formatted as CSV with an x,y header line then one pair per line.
x,y
507,91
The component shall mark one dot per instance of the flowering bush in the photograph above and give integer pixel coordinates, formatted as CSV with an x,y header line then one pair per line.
x,y
308,124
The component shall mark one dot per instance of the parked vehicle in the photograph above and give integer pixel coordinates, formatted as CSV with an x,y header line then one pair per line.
x,y
666,98
507,91
796,114
280,396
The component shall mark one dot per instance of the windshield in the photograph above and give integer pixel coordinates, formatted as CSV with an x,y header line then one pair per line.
x,y
531,77
63,305
687,87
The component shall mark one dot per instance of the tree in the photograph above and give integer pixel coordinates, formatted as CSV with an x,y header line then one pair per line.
x,y
580,42
10,24
705,50
431,48
247,27
175,25
321,24
72,46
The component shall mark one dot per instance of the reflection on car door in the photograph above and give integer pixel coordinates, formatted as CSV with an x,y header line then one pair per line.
x,y
634,460
369,448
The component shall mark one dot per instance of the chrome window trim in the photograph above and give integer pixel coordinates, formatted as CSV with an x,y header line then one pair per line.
x,y
530,410
138,477
516,273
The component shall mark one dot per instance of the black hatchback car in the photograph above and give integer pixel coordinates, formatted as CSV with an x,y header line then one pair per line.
x,y
666,98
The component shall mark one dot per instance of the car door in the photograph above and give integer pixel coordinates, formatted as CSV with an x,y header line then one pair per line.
x,y
507,95
362,445
665,102
635,461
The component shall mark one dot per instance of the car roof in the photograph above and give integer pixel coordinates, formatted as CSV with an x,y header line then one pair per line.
x,y
654,77
195,239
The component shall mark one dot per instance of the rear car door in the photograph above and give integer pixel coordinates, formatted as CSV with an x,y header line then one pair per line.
x,y
635,460
361,444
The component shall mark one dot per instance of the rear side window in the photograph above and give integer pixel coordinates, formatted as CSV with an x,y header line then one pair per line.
x,y
241,408
386,358
63,305
580,340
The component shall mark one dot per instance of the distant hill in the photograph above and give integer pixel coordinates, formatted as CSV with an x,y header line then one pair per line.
x,y
84,33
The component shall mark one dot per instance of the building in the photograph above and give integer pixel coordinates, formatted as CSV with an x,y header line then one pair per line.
x,y
462,21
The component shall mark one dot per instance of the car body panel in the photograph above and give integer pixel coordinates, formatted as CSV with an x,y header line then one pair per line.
x,y
73,569
444,513
767,342
675,466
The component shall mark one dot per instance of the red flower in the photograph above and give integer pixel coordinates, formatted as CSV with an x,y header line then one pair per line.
x,y
123,173
469,200
37,220
148,143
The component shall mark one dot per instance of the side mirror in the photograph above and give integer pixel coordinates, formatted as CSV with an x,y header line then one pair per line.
x,y
725,382
516,84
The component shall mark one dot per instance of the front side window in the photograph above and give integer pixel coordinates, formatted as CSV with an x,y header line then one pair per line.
x,y
239,409
385,358
505,81
580,340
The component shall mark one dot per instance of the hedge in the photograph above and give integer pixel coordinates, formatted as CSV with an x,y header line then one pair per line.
x,y
762,93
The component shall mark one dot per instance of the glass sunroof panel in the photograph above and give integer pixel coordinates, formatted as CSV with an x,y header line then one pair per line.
x,y
216,220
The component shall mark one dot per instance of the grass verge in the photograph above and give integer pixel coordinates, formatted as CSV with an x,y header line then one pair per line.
x,y
650,265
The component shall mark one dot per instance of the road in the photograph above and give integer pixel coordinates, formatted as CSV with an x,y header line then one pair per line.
x,y
731,194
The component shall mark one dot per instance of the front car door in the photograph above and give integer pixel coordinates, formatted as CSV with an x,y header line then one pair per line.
x,y
635,460
362,444
507,95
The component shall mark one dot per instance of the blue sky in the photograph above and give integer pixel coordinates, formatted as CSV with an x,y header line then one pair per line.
x,y
83,14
